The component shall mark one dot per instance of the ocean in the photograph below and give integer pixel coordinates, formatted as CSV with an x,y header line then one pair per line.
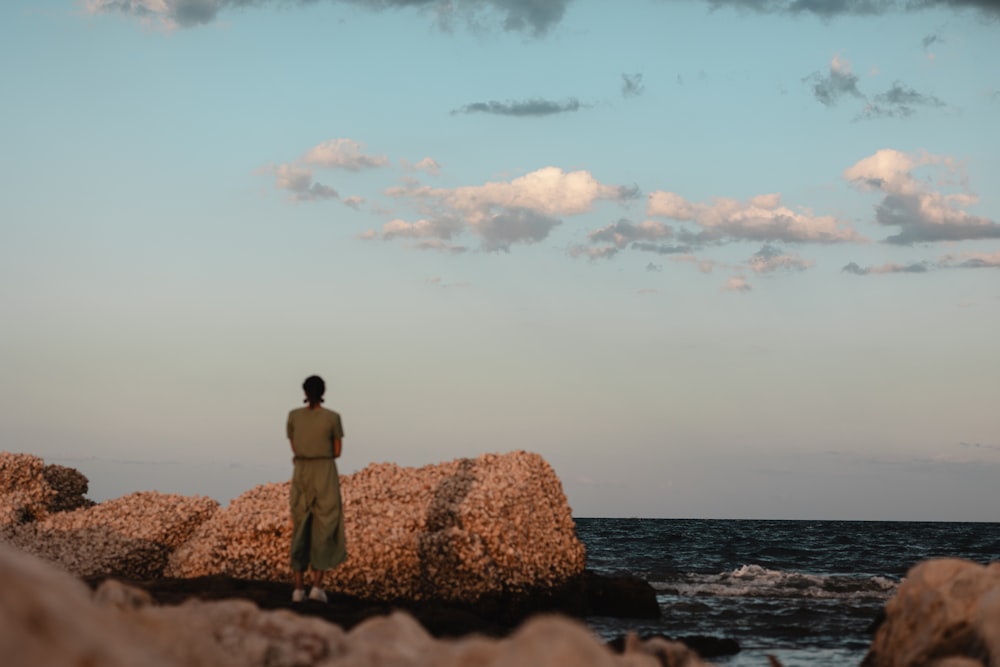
x,y
806,592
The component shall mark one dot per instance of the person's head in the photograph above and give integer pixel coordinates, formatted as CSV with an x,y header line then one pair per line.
x,y
314,388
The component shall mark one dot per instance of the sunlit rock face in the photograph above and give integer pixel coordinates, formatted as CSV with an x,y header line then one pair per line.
x,y
44,511
945,613
31,490
453,531
130,537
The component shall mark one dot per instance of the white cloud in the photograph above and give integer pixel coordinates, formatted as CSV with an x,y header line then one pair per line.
x,y
503,213
888,267
297,177
921,212
427,234
737,284
840,81
770,259
421,229
971,260
534,18
343,154
623,232
290,177
508,226
299,182
592,252
761,218
165,14
440,246
549,191
427,165
704,265
966,260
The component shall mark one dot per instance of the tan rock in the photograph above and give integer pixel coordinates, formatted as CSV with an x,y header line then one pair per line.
x,y
957,662
396,639
552,640
668,653
399,641
70,486
47,618
129,537
234,633
112,593
946,611
31,490
25,494
454,531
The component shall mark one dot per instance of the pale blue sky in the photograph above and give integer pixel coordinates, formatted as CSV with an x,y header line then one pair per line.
x,y
647,240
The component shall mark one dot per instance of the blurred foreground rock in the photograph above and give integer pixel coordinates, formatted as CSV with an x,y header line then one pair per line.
x,y
946,613
47,617
492,615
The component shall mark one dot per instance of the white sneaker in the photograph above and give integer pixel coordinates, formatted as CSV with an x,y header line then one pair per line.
x,y
317,594
298,595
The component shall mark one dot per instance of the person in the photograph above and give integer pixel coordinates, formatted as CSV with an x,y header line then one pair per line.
x,y
318,542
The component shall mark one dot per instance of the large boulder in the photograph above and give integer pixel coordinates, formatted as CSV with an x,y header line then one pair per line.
x,y
130,537
49,618
31,490
454,531
946,612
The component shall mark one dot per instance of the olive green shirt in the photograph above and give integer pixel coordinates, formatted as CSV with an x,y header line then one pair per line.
x,y
313,432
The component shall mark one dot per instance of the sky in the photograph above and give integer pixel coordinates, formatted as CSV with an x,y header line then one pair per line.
x,y
710,258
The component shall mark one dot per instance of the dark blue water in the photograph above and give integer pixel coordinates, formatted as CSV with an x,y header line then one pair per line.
x,y
804,591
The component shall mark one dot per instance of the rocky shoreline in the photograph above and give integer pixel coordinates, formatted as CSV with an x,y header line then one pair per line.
x,y
591,594
497,616
458,530
469,563
48,617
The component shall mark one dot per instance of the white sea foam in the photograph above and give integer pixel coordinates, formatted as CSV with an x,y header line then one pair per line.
x,y
760,582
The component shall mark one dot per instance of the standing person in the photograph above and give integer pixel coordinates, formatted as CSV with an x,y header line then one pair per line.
x,y
318,540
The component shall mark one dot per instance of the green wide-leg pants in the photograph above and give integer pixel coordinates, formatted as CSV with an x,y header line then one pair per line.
x,y
317,516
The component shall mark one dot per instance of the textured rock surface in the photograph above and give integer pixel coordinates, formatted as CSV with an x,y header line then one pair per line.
x,y
30,490
70,487
493,615
454,531
49,618
131,536
946,612
497,524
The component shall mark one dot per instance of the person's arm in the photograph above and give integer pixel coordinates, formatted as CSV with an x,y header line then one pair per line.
x,y
338,436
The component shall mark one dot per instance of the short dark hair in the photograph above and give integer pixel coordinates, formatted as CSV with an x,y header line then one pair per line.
x,y
314,388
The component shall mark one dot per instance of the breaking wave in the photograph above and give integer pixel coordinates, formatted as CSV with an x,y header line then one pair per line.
x,y
760,582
